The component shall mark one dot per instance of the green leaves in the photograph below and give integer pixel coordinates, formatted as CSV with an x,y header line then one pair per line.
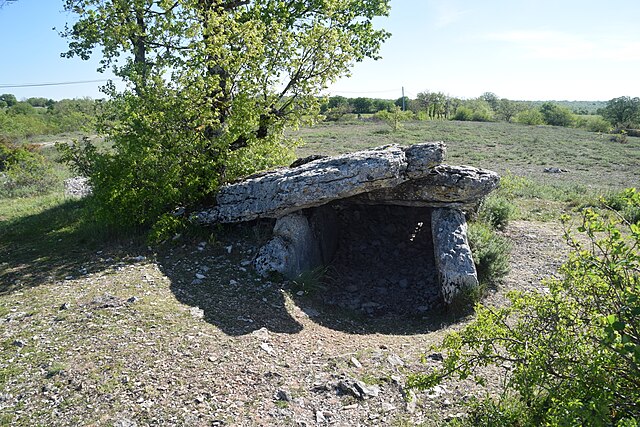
x,y
574,351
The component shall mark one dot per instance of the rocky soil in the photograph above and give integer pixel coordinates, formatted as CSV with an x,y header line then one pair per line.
x,y
192,337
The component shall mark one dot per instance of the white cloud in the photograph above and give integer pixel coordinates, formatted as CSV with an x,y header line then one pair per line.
x,y
558,45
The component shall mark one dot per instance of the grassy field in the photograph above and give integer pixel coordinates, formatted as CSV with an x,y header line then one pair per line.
x,y
593,161
100,329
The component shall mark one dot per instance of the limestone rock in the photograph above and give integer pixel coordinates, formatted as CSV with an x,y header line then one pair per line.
x,y
292,250
454,262
276,193
78,186
459,187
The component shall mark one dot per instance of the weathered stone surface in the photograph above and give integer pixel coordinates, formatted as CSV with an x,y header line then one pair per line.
x,y
459,187
78,186
277,193
454,262
292,250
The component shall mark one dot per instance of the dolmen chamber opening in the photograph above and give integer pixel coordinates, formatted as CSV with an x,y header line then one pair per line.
x,y
392,215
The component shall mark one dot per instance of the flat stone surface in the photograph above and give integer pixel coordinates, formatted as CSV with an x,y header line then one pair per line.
x,y
458,187
282,191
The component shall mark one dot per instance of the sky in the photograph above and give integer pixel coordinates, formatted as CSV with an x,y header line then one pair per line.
x,y
584,50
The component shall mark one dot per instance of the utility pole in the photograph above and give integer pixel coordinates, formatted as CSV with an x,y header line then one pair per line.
x,y
403,106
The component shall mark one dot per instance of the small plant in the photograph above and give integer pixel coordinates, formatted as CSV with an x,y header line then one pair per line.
x,y
394,118
497,211
309,281
490,253
620,137
625,202
570,355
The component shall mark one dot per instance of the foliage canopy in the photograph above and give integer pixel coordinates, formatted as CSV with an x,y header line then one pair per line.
x,y
211,87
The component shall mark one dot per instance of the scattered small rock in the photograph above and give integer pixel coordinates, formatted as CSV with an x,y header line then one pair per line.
x,y
196,312
283,395
359,389
355,362
555,170
395,360
133,299
20,343
267,348
65,306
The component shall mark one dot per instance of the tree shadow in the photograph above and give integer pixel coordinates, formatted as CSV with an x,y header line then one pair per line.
x,y
57,243
217,278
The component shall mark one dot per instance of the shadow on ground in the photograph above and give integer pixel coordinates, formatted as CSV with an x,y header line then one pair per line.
x,y
218,279
54,244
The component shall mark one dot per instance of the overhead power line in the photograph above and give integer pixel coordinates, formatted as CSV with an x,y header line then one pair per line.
x,y
13,86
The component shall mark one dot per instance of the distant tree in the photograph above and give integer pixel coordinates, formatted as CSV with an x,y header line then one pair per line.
x,y
362,105
491,99
530,116
508,109
623,112
9,99
382,105
3,104
22,108
556,115
407,102
433,103
38,102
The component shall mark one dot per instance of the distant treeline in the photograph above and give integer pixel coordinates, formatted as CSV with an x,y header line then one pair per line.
x,y
42,116
598,116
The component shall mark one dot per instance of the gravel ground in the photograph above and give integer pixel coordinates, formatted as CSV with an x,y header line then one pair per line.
x,y
191,337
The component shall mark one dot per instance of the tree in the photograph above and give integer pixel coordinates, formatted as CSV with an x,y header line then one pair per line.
x,y
362,105
508,109
556,115
492,100
623,112
9,99
211,87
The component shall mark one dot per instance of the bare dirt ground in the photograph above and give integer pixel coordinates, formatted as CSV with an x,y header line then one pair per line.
x,y
192,337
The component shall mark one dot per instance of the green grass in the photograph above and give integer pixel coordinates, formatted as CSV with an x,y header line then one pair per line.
x,y
596,165
592,160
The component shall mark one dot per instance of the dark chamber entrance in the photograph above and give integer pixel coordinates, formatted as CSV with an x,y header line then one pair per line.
x,y
384,262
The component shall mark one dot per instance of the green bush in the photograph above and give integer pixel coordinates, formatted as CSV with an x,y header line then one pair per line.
x,y
490,253
593,124
464,114
497,211
23,171
530,117
571,354
626,203
556,115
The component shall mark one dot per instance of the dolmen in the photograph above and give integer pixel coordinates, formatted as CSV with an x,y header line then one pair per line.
x,y
303,200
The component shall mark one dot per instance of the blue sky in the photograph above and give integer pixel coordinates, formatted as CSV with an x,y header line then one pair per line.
x,y
518,49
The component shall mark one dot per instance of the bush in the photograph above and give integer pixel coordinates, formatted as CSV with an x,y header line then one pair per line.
x,y
593,124
490,253
463,114
23,171
496,211
571,355
626,203
556,115
530,117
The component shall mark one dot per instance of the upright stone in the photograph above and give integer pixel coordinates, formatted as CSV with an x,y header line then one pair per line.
x,y
454,262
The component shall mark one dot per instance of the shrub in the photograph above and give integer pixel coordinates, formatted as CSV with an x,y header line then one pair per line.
x,y
593,124
625,202
490,253
530,117
464,114
23,171
496,211
394,118
556,115
571,355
